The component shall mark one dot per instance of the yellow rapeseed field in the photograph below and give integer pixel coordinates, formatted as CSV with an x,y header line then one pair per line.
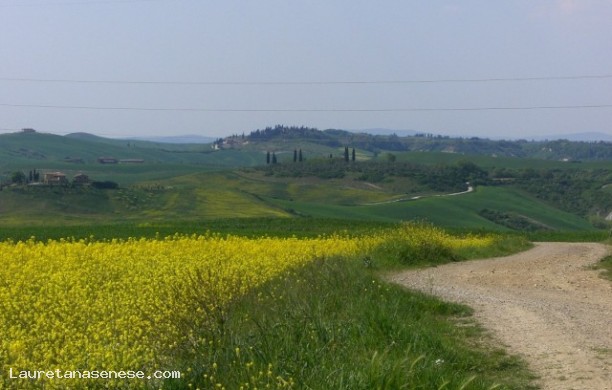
x,y
123,304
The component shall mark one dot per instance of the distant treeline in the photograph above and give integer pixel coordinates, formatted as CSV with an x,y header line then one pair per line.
x,y
552,150
425,177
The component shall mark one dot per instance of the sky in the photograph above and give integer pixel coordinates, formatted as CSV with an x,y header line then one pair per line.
x,y
117,68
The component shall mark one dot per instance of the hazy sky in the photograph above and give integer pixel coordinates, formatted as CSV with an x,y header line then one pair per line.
x,y
172,67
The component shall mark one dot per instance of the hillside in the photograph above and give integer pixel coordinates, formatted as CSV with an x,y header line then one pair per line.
x,y
80,152
324,142
39,150
253,193
157,182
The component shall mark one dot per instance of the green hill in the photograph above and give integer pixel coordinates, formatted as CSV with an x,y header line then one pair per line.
x,y
287,138
250,193
143,160
160,181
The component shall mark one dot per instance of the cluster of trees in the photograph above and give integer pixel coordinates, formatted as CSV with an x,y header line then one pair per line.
x,y
292,133
19,177
426,177
33,176
298,156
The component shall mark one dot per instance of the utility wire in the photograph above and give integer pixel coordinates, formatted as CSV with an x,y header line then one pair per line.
x,y
329,82
417,109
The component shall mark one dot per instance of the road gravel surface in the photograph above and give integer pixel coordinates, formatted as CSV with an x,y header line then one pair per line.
x,y
547,304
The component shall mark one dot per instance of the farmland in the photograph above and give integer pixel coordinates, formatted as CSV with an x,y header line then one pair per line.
x,y
242,274
182,302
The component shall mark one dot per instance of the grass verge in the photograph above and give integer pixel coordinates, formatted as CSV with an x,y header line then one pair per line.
x,y
606,265
334,324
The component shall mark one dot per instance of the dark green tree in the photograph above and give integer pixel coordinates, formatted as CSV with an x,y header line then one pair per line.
x,y
268,157
18,177
353,156
295,157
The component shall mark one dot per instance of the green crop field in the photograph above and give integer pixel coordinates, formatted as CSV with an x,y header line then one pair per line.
x,y
460,211
157,195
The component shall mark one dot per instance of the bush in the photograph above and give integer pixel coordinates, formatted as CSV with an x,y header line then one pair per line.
x,y
105,185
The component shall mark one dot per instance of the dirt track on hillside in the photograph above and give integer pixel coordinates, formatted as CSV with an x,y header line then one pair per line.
x,y
545,304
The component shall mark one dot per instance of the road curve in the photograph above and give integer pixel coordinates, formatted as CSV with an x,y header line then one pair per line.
x,y
545,304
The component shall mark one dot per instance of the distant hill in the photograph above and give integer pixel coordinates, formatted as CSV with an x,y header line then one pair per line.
x,y
177,139
384,131
158,181
49,151
585,137
254,193
77,151
287,138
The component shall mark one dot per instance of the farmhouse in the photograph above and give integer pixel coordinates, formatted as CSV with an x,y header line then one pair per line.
x,y
55,178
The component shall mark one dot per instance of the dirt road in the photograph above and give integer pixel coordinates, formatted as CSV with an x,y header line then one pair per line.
x,y
545,304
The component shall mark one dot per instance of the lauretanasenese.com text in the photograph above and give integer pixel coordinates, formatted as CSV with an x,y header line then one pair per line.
x,y
91,374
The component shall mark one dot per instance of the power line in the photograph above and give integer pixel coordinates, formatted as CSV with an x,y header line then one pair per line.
x,y
328,82
416,109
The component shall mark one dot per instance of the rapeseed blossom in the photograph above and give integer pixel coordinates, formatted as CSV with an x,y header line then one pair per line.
x,y
136,304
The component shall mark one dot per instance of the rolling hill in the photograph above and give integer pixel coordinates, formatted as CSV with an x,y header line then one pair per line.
x,y
159,181
236,194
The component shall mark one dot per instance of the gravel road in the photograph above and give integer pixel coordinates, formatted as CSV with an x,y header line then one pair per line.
x,y
545,304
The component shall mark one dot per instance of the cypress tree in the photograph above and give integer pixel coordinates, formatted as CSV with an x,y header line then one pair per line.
x,y
268,157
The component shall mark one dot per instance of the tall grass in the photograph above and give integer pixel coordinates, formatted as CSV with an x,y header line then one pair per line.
x,y
334,325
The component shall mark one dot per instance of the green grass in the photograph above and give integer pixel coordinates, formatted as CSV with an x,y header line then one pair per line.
x,y
227,194
332,324
568,236
606,265
452,212
335,325
435,158
48,151
245,227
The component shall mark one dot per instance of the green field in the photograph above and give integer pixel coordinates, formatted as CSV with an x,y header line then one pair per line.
x,y
234,194
334,323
